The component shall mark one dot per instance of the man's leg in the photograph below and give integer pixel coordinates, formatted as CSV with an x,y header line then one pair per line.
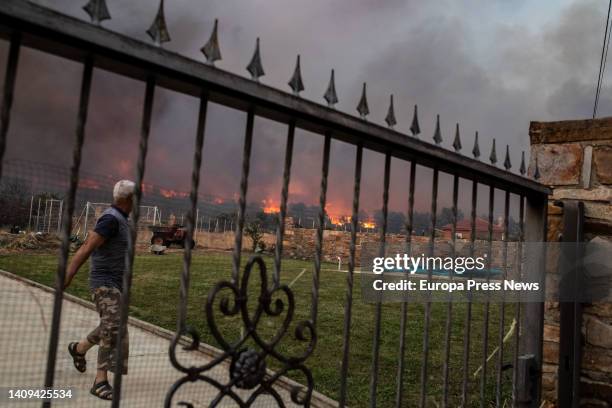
x,y
109,301
84,345
88,342
79,349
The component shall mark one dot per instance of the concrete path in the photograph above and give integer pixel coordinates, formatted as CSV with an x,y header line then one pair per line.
x,y
25,316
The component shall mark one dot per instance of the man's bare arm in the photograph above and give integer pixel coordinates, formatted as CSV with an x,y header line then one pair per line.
x,y
93,241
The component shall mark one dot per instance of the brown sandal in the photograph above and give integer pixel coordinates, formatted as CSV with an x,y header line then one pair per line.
x,y
77,358
102,390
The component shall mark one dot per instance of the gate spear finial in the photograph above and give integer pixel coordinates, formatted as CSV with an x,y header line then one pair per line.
x,y
476,149
457,142
507,163
330,94
296,83
97,11
255,68
159,30
390,119
363,108
211,50
493,156
522,169
437,134
414,127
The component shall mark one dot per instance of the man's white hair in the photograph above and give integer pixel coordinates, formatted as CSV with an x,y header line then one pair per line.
x,y
123,189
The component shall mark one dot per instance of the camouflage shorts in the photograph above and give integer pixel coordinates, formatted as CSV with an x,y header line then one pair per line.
x,y
108,301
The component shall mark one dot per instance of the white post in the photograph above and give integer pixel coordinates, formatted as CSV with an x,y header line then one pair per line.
x,y
48,223
59,218
86,219
339,263
30,217
38,215
44,226
195,229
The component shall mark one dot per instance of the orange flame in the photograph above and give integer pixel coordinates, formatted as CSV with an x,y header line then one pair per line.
x,y
339,220
269,207
173,193
368,224
89,183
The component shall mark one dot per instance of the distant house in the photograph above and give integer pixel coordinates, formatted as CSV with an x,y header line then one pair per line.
x,y
464,230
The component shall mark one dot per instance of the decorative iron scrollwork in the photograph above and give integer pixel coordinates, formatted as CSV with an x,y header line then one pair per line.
x,y
247,362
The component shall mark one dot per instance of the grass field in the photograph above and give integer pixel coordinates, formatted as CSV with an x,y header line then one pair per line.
x,y
155,297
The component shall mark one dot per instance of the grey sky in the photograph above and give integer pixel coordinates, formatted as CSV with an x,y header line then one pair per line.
x,y
491,66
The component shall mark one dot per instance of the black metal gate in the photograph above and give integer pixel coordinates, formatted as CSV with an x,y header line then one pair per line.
x,y
27,25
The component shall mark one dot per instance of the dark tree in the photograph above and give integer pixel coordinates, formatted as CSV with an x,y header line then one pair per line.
x,y
395,221
445,216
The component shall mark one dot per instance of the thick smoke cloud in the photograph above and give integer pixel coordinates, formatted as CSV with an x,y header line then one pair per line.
x,y
492,68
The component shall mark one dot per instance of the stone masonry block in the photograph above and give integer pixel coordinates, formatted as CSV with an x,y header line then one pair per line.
x,y
551,352
599,333
570,131
559,164
551,332
597,359
602,156
596,389
600,193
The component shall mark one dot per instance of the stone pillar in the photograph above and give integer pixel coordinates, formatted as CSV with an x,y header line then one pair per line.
x,y
574,158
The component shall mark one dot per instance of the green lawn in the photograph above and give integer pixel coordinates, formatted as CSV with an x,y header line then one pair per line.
x,y
155,295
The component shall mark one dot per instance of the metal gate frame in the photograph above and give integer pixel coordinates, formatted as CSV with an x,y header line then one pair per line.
x,y
29,25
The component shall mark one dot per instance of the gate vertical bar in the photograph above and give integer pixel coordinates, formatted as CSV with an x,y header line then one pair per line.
x,y
570,313
432,240
129,256
282,213
502,306
532,316
487,305
468,314
319,238
348,306
449,306
399,389
517,312
244,185
191,215
9,89
378,310
60,276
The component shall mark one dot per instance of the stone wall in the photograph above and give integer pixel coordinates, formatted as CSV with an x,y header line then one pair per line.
x,y
575,159
300,243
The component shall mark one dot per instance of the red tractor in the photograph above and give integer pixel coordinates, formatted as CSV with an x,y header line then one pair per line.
x,y
168,235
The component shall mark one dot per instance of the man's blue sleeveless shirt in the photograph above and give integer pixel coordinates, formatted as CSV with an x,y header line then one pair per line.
x,y
108,260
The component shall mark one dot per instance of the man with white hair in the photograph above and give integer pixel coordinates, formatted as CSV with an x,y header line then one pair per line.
x,y
107,245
